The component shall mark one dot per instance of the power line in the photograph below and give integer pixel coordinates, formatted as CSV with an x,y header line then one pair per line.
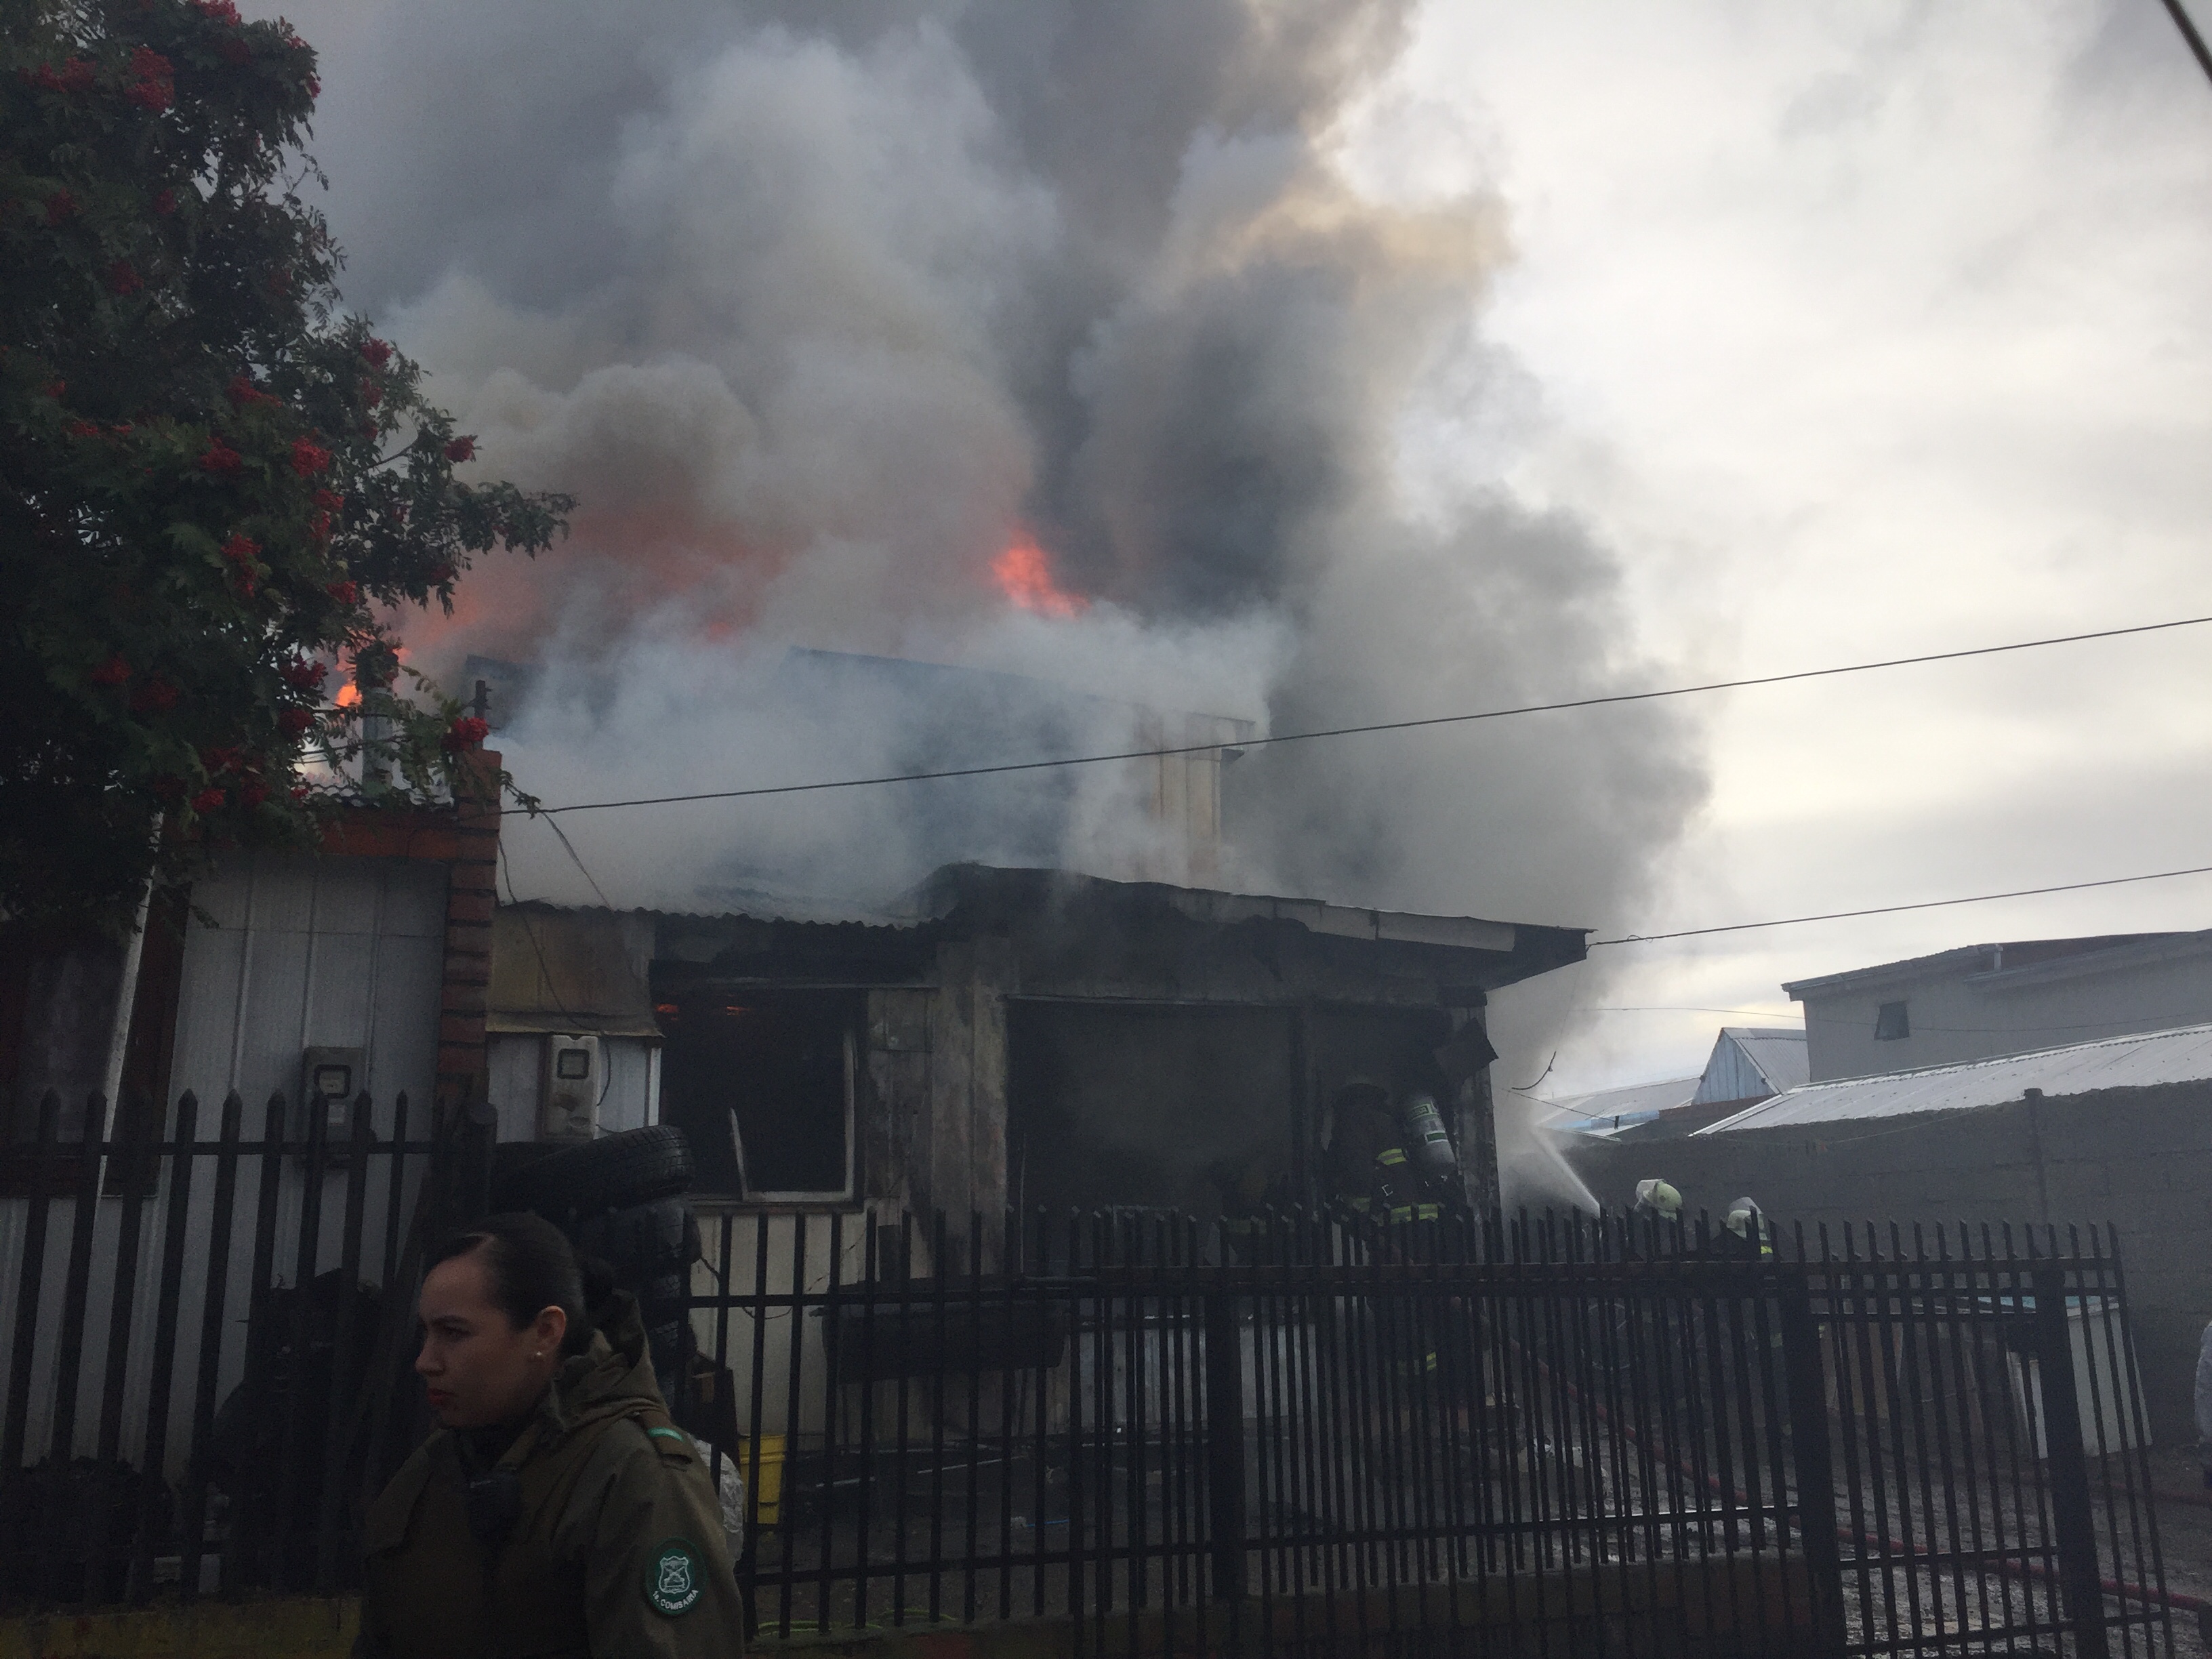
x,y
1892,909
2197,48
1376,726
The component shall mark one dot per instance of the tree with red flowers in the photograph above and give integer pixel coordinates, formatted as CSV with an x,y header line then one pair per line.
x,y
215,487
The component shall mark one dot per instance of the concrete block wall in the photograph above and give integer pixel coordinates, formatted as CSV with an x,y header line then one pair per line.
x,y
2140,1160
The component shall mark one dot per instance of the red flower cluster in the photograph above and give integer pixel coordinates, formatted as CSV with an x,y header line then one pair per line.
x,y
220,11
59,206
329,501
222,759
253,791
314,87
466,733
208,800
155,83
344,592
309,458
165,202
219,458
303,674
379,352
122,278
319,526
82,430
295,723
167,788
243,392
236,51
372,394
74,75
113,672
462,449
156,695
55,388
241,548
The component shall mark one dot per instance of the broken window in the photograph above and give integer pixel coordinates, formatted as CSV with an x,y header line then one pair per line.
x,y
761,1083
1890,1024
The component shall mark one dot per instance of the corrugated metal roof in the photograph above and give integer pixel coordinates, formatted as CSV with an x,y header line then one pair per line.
x,y
1607,1111
2019,952
2182,1056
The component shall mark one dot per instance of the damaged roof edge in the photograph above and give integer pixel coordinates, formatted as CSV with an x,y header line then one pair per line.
x,y
956,883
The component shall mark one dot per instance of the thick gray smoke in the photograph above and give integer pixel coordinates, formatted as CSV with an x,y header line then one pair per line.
x,y
820,309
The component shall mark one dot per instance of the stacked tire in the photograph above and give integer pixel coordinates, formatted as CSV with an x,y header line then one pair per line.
x,y
620,1198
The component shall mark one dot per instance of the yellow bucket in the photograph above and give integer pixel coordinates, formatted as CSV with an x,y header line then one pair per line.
x,y
767,1485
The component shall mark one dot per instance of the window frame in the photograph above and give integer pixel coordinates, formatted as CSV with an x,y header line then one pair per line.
x,y
1882,1024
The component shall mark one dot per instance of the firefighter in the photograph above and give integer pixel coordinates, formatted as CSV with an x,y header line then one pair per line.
x,y
1657,1201
1247,1197
1360,1130
558,1511
1745,1232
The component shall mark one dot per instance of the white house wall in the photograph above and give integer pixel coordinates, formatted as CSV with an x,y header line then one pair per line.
x,y
633,1090
306,952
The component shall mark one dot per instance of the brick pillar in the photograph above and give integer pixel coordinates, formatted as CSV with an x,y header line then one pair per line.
x,y
464,1057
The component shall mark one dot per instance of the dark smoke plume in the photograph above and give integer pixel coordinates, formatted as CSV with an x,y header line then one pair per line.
x,y
818,308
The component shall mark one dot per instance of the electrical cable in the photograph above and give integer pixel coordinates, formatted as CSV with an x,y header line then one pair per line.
x,y
537,809
2197,47
1894,909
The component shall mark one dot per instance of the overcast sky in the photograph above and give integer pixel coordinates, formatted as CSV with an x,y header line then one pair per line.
x,y
1863,331
1852,331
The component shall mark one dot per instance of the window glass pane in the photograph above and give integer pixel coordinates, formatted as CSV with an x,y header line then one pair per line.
x,y
1890,1024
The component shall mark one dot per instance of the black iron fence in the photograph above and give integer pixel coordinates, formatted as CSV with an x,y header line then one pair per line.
x,y
1560,1436
1553,1435
202,1349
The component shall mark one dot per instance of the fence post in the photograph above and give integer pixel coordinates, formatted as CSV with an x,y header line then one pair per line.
x,y
1224,1446
2068,1468
1816,1468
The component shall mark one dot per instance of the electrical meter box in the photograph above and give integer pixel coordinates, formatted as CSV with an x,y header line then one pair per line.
x,y
328,1080
576,1078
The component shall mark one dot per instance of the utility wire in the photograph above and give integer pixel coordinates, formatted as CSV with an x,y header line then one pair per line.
x,y
1892,909
1377,726
2197,48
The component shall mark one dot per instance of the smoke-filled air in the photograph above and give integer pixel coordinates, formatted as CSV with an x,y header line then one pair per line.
x,y
1070,343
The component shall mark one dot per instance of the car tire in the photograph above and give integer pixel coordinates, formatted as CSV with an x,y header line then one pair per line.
x,y
630,1167
640,1240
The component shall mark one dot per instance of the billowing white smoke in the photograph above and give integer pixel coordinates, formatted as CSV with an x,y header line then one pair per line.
x,y
817,309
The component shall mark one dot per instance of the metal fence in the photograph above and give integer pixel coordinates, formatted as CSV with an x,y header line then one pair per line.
x,y
193,1323
1569,1435
1551,1436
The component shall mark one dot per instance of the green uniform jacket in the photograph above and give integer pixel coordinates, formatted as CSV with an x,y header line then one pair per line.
x,y
617,1551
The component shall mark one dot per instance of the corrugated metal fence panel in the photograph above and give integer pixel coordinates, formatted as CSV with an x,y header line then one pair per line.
x,y
309,952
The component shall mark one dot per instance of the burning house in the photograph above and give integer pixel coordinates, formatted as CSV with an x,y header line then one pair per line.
x,y
1003,1038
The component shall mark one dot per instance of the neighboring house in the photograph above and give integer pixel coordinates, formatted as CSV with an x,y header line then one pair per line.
x,y
1748,1063
2114,1132
1986,1000
362,967
1009,1038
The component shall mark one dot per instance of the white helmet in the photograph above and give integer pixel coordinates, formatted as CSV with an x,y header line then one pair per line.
x,y
1659,1198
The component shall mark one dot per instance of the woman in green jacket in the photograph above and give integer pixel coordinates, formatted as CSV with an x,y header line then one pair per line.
x,y
558,1512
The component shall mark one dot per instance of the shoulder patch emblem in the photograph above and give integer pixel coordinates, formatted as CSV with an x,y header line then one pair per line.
x,y
674,1579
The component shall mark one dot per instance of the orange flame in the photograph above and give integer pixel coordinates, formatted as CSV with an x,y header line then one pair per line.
x,y
1024,576
348,694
